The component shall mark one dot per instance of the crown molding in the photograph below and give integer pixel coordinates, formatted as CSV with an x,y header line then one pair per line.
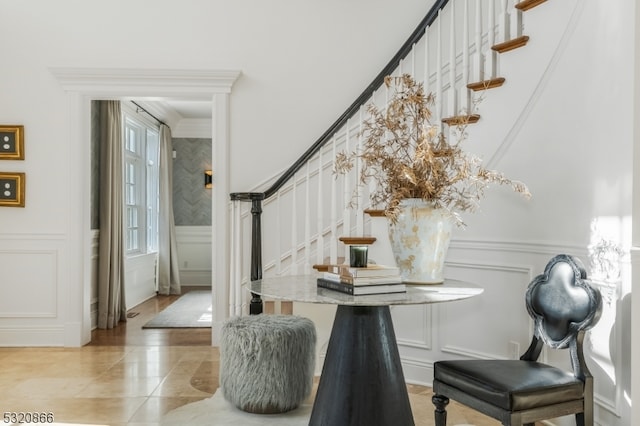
x,y
200,84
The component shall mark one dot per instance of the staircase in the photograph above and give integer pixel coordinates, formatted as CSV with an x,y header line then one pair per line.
x,y
298,222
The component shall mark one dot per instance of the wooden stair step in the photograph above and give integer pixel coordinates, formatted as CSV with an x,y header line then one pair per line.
x,y
511,44
529,4
358,241
486,84
374,212
324,267
460,120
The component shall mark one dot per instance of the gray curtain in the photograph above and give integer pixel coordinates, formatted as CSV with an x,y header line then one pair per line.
x,y
111,303
168,265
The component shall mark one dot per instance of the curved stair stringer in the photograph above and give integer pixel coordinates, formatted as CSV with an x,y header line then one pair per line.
x,y
506,110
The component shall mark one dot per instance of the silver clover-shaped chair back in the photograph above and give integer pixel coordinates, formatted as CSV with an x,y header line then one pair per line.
x,y
562,302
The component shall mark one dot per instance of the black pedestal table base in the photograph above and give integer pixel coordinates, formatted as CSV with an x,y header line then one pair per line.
x,y
362,382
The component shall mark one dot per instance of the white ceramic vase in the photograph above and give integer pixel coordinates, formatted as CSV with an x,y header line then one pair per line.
x,y
420,240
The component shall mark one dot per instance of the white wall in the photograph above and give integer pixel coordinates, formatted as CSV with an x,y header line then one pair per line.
x,y
302,64
194,255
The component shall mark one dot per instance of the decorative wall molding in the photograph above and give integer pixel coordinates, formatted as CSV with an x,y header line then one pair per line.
x,y
138,82
546,248
425,343
35,236
490,267
41,269
465,352
194,254
606,403
194,234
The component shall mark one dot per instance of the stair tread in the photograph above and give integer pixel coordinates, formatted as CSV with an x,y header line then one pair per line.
x,y
358,240
486,84
374,212
321,267
458,120
511,44
529,4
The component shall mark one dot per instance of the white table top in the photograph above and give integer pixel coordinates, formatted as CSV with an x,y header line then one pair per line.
x,y
303,288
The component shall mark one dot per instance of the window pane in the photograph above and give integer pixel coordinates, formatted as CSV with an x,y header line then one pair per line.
x,y
141,183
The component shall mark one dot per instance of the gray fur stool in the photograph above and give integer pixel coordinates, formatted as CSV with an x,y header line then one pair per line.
x,y
267,362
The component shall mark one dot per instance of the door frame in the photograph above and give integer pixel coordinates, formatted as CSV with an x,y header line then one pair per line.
x,y
82,85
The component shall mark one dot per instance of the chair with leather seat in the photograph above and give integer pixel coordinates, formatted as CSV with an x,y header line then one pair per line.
x,y
564,305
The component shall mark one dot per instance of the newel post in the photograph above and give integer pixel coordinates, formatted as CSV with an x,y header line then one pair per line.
x,y
255,307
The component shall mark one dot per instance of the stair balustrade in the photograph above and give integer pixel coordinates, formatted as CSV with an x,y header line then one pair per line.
x,y
298,220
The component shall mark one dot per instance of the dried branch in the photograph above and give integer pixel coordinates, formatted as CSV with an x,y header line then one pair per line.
x,y
406,156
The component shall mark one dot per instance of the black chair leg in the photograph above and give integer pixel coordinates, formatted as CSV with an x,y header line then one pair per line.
x,y
441,402
580,419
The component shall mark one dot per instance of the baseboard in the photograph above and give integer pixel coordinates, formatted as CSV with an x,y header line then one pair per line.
x,y
32,336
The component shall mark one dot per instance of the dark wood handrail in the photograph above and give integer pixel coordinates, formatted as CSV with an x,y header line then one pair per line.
x,y
351,111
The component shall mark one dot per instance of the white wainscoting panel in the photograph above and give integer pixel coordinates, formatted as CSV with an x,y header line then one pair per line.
x,y
415,336
32,289
494,324
33,273
194,255
140,279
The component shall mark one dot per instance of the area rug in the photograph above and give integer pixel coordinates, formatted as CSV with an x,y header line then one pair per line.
x,y
217,411
191,310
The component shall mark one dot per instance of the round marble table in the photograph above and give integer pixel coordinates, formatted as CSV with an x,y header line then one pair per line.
x,y
362,382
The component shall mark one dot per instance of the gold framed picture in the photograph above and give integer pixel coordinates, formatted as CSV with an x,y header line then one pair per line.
x,y
11,142
12,189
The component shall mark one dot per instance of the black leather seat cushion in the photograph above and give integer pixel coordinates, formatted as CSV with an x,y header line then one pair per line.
x,y
512,385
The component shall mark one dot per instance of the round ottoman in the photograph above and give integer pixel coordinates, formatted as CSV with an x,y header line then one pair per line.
x,y
267,362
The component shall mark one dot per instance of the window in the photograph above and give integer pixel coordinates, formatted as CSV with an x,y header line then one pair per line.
x,y
141,184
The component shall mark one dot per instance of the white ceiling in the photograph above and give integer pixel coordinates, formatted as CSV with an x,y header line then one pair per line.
x,y
190,109
186,117
172,111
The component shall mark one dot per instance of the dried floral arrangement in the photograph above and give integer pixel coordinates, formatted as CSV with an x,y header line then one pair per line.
x,y
408,157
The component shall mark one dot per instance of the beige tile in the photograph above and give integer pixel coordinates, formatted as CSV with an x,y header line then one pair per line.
x,y
138,369
43,388
120,387
138,380
178,385
80,410
155,407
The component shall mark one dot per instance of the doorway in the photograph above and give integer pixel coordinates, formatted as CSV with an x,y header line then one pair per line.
x,y
84,85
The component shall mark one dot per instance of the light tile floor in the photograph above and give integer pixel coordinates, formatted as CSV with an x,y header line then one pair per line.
x,y
130,376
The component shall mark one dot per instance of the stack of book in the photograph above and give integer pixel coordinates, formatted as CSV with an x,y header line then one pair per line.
x,y
374,279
